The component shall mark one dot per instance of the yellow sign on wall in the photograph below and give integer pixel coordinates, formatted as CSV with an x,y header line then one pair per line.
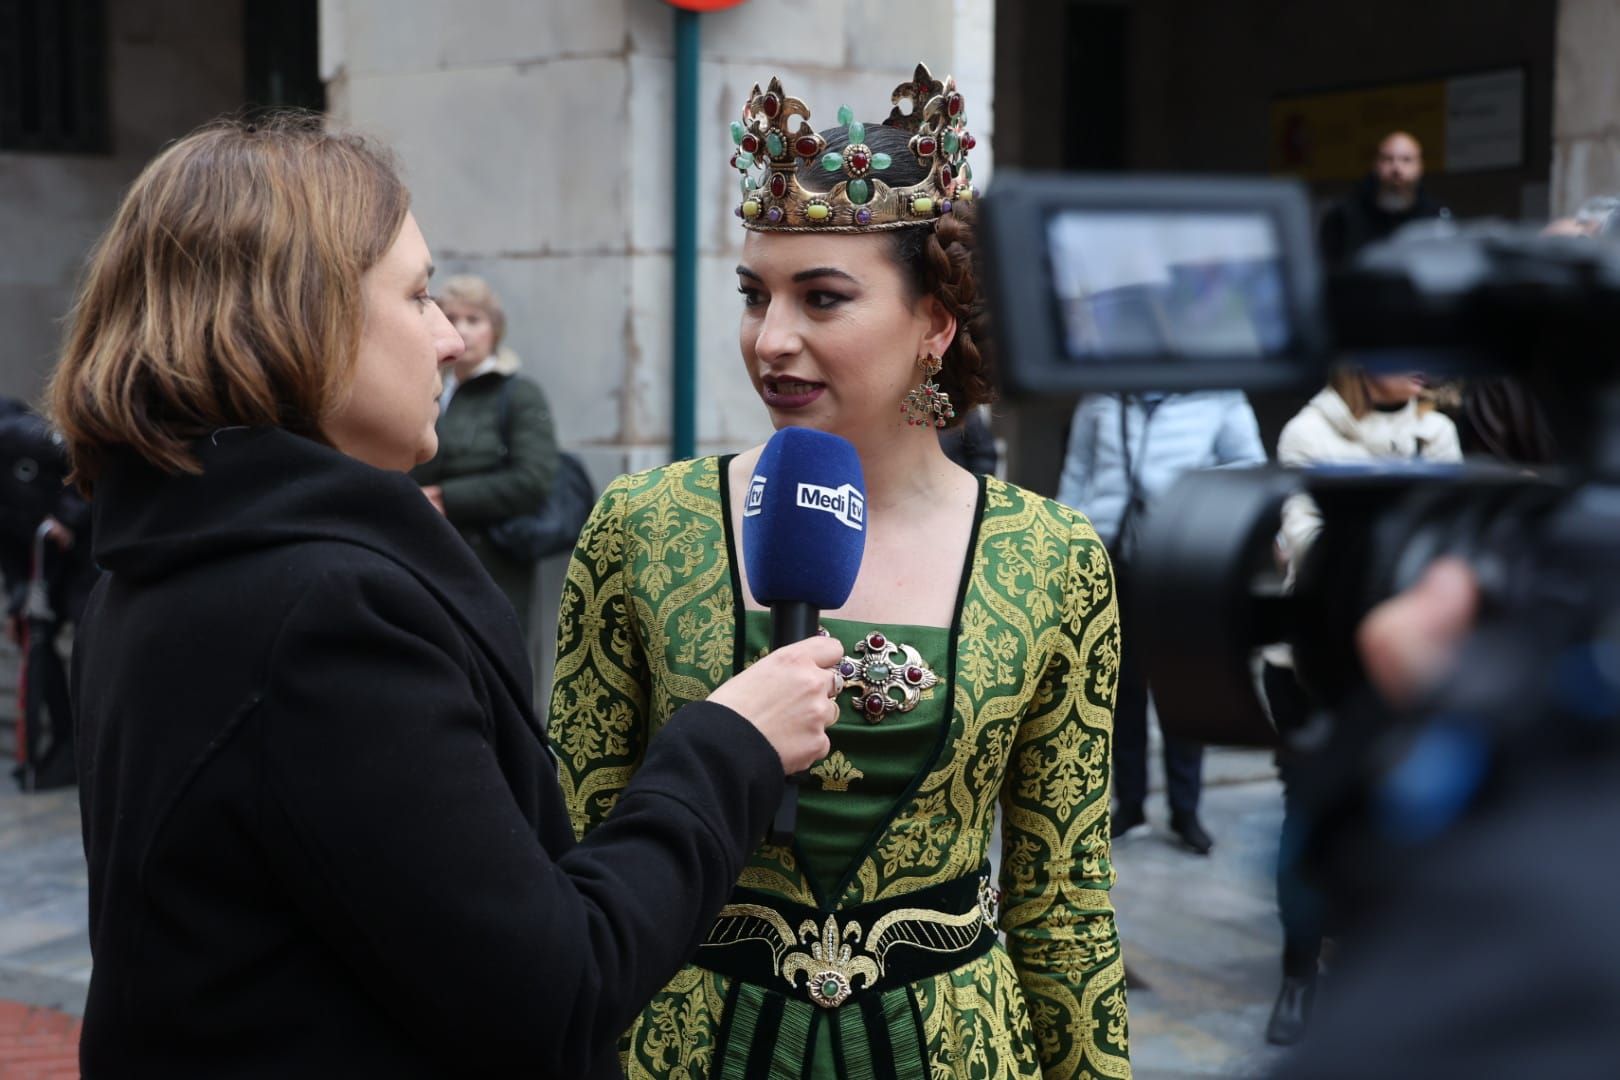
x,y
1465,124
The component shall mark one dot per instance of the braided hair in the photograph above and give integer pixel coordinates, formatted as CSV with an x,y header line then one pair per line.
x,y
938,262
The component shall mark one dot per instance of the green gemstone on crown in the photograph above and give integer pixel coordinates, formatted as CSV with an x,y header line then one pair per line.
x,y
857,133
832,161
745,161
846,115
952,143
881,162
737,132
773,143
859,192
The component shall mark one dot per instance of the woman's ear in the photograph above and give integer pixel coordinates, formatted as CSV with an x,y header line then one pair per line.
x,y
941,325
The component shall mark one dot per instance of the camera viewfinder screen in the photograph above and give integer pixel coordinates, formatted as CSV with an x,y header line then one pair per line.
x,y
1168,285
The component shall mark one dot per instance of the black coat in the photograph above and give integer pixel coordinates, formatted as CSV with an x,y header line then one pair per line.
x,y
324,831
1358,220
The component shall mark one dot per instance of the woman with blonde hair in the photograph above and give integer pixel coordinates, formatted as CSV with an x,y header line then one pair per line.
x,y
322,822
497,449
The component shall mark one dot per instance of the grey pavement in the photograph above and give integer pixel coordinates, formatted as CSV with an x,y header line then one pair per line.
x,y
1202,943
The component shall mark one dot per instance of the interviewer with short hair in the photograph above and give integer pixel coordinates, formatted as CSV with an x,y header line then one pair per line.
x,y
323,826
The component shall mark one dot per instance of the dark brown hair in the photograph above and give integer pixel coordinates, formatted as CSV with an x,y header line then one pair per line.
x,y
226,292
938,261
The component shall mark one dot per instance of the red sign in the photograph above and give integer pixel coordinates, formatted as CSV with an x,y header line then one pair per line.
x,y
704,5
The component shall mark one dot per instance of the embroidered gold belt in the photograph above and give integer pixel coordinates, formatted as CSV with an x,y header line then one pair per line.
x,y
795,967
824,957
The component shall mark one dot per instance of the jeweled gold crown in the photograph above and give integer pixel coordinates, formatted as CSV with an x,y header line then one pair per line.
x,y
769,154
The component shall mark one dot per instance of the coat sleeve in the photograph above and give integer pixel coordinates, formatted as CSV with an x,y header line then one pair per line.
x,y
520,485
1056,869
1080,461
601,692
395,831
1237,443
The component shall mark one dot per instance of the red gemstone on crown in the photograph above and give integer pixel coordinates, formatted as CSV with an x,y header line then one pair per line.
x,y
858,161
874,704
772,105
914,674
779,184
969,142
953,104
807,146
750,143
926,147
876,641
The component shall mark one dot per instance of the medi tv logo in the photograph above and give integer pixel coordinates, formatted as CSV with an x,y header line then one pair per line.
x,y
756,497
845,503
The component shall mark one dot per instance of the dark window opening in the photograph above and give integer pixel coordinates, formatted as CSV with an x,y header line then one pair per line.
x,y
281,49
53,76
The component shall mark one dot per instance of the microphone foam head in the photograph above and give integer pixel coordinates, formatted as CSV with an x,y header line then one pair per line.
x,y
804,521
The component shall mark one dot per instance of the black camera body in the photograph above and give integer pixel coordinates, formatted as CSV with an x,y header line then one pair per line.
x,y
1134,284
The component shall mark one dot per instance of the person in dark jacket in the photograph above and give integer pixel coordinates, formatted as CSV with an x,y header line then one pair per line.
x,y
487,471
1385,199
324,830
44,542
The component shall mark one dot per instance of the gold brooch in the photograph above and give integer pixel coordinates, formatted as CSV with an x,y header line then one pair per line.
x,y
881,668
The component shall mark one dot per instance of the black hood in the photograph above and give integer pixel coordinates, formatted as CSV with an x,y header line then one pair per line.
x,y
265,487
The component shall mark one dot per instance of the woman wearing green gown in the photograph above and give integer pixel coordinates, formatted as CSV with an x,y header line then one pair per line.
x,y
982,646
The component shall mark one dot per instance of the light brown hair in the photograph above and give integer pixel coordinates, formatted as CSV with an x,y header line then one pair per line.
x,y
226,292
1350,383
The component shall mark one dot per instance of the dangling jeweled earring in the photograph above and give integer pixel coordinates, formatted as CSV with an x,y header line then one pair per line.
x,y
927,405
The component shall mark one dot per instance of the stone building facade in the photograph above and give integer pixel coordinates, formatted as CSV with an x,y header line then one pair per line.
x,y
537,141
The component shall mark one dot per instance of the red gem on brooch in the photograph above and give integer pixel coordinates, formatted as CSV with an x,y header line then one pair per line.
x,y
914,675
876,641
874,704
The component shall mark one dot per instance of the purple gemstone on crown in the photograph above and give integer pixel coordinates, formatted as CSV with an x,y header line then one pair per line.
x,y
773,215
945,206
863,216
737,211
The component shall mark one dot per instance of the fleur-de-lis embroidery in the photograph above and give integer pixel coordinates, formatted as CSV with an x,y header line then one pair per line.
x,y
837,772
831,966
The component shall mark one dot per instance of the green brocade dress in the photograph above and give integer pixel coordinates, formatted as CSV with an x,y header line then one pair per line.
x,y
1021,716
851,792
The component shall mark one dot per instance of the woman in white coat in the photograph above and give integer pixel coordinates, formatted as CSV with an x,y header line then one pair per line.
x,y
1357,417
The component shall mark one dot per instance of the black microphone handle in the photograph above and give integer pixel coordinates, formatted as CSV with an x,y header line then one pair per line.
x,y
791,620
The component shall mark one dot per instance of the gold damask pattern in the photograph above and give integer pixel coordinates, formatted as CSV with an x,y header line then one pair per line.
x,y
650,622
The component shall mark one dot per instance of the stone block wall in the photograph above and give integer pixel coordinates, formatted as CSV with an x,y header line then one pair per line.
x,y
1586,104
537,140
172,65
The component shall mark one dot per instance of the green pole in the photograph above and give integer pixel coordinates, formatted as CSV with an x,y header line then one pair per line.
x,y
684,384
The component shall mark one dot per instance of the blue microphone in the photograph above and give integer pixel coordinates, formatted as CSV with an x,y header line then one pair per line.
x,y
804,531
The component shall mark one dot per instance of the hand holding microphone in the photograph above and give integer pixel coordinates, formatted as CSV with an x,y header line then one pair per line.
x,y
804,532
791,697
